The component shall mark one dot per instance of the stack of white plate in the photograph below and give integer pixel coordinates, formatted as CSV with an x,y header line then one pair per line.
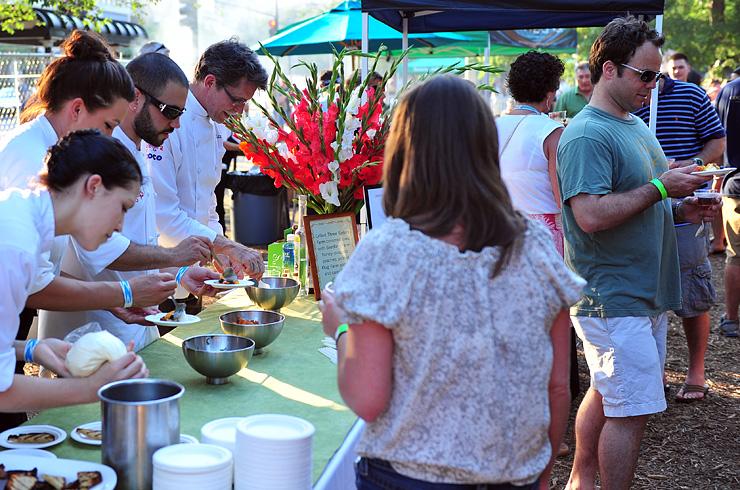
x,y
221,432
192,467
273,452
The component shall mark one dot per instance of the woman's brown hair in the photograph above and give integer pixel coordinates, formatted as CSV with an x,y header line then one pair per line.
x,y
442,168
87,71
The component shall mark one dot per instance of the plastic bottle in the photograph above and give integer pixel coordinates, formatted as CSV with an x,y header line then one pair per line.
x,y
289,256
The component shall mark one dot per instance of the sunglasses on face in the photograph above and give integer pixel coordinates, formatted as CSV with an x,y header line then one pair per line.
x,y
234,100
168,110
646,76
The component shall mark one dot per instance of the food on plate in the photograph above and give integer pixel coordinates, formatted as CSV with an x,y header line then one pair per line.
x,y
29,480
96,435
92,350
245,321
708,166
31,438
18,481
175,315
55,482
228,276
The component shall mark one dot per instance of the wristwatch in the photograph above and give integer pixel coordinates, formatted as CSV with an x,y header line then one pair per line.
x,y
697,161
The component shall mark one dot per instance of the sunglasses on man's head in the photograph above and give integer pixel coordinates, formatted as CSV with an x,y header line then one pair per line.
x,y
168,110
646,76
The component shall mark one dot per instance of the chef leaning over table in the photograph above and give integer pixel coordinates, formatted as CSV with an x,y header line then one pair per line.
x,y
85,88
161,90
187,167
90,183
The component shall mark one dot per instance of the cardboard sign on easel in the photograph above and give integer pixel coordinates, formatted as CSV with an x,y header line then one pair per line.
x,y
330,239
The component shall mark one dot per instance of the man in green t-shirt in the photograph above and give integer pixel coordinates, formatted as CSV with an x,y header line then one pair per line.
x,y
575,99
618,225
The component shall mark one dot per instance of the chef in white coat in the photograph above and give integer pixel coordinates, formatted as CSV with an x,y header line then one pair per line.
x,y
161,90
187,167
91,181
85,88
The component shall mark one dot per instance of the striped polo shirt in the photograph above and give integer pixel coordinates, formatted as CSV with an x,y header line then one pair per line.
x,y
686,119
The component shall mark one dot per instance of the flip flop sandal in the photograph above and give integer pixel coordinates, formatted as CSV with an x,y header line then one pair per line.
x,y
687,388
729,328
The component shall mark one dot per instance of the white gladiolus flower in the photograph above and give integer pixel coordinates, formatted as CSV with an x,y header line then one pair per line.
x,y
370,133
261,127
330,192
334,166
282,149
346,153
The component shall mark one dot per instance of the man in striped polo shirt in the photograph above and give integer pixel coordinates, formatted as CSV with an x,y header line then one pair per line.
x,y
689,131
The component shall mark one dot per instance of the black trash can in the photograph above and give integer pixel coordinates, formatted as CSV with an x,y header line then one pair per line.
x,y
259,212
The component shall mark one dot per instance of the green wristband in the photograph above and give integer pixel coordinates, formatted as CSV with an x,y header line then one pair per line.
x,y
661,188
341,329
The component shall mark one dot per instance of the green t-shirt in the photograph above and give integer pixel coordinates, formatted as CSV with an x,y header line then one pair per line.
x,y
631,269
571,102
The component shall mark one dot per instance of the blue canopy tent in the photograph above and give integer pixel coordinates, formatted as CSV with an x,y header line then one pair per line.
x,y
341,27
474,15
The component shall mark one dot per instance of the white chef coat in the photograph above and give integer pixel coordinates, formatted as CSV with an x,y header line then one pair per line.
x,y
22,153
26,232
139,226
185,171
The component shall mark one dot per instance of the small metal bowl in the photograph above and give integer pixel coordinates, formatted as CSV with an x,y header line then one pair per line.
x,y
269,326
282,292
217,356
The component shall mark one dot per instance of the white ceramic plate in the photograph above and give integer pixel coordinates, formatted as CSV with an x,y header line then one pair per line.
x,y
37,453
188,439
67,468
77,436
215,284
59,436
720,171
157,320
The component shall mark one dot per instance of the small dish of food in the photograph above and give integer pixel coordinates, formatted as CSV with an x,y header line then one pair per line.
x,y
170,320
90,433
229,284
712,169
32,437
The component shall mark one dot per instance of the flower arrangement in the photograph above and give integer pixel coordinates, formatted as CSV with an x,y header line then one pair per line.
x,y
332,141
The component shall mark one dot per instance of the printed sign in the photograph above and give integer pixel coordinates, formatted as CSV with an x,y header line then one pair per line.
x,y
331,239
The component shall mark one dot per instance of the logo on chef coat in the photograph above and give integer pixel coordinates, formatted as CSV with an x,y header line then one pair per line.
x,y
151,152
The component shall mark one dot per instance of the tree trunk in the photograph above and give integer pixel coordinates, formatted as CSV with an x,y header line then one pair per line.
x,y
718,12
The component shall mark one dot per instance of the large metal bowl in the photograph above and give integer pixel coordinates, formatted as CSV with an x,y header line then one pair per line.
x,y
282,292
217,356
269,326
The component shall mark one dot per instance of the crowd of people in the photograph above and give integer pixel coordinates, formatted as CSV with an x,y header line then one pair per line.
x,y
455,321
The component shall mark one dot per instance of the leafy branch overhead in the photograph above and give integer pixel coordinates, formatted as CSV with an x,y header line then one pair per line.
x,y
16,15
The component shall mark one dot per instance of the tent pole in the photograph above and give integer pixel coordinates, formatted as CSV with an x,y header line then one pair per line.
x,y
365,44
654,95
404,46
487,58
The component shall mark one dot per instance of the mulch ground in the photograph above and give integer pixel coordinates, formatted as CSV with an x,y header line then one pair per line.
x,y
690,445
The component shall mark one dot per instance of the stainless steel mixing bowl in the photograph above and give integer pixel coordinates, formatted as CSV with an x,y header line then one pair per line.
x,y
264,332
217,356
282,292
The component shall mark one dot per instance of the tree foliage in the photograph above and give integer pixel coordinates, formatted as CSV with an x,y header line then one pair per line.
x,y
705,30
18,14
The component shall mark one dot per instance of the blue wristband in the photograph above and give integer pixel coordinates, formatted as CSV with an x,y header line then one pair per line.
x,y
128,295
180,273
28,351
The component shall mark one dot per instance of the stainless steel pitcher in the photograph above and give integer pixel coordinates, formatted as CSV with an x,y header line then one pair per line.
x,y
139,417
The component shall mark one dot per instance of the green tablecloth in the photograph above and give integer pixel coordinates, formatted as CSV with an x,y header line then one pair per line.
x,y
290,377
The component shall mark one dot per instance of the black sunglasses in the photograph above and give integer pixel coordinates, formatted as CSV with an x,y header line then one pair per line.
x,y
234,100
168,110
646,76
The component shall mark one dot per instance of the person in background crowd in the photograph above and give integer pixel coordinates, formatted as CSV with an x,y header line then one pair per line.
x,y
161,90
399,367
728,107
90,182
528,142
618,223
187,167
680,69
735,74
575,99
689,131
84,88
154,47
713,90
